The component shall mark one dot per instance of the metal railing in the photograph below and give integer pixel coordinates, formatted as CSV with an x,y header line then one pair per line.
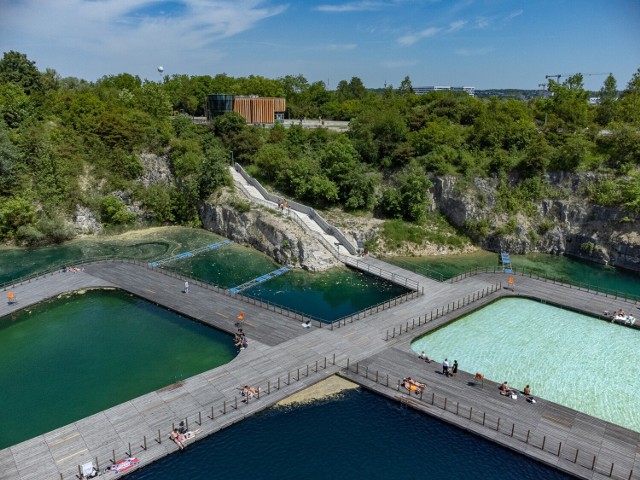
x,y
607,292
545,443
379,272
439,312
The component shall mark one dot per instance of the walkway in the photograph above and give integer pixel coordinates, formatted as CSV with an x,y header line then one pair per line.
x,y
284,358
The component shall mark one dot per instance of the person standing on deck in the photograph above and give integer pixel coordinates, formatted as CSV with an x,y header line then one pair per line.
x,y
454,369
186,287
445,367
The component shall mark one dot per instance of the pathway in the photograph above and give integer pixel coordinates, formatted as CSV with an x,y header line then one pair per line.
x,y
284,358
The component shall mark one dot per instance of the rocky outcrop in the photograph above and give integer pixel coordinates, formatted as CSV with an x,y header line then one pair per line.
x,y
269,232
570,225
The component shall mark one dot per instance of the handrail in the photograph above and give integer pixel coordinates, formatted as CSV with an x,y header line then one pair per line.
x,y
617,294
408,283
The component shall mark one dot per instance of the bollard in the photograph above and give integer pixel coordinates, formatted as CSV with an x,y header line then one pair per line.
x,y
144,445
394,332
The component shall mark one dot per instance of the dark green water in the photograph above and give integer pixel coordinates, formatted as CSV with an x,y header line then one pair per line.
x,y
68,358
561,268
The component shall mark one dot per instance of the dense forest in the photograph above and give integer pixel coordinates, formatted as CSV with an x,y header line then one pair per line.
x,y
66,144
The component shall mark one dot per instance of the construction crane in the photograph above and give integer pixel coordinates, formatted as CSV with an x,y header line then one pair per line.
x,y
557,76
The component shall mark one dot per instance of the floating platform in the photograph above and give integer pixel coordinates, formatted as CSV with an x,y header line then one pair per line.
x,y
184,255
262,279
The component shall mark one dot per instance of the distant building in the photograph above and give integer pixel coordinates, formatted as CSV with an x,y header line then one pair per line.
x,y
254,109
422,90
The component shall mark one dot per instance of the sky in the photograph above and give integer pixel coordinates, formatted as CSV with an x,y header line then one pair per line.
x,y
480,43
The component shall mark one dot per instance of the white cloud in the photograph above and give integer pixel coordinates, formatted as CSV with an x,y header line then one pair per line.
x,y
473,52
513,15
351,7
123,32
411,38
457,25
398,63
339,47
483,22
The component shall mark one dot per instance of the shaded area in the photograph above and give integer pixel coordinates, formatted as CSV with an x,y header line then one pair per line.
x,y
361,423
71,357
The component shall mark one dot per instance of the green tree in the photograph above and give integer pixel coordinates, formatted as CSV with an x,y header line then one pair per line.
x,y
114,211
406,88
606,111
16,68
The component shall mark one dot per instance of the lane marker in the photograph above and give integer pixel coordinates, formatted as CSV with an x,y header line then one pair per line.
x,y
62,440
73,455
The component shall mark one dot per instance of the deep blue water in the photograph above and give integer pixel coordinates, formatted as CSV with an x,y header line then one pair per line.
x,y
354,435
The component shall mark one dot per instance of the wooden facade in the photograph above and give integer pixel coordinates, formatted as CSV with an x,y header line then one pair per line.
x,y
259,109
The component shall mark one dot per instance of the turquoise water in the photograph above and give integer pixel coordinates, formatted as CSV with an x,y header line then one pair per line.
x,y
568,358
561,268
71,357
354,435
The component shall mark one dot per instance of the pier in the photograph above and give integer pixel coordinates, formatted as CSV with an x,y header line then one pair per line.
x,y
284,358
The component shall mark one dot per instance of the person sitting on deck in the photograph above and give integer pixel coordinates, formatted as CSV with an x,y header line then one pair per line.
x,y
504,389
306,324
250,392
423,356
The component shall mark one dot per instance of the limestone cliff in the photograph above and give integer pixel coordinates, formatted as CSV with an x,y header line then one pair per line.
x,y
269,232
569,225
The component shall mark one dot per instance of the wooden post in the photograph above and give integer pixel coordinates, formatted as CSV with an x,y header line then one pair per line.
x,y
366,372
611,471
387,379
160,438
79,472
298,377
200,418
528,433
559,448
513,427
470,412
445,404
593,464
289,378
377,376
129,451
544,440
575,460
316,366
186,423
433,397
347,364
484,417
498,425
224,408
211,413
457,408
144,445
325,363
357,368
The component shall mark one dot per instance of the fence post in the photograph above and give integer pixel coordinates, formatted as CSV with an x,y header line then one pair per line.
x,y
513,427
145,442
160,438
544,440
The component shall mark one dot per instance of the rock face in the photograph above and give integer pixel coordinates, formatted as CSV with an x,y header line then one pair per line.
x,y
568,226
269,232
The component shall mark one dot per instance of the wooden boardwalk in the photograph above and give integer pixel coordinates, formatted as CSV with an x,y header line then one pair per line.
x,y
284,358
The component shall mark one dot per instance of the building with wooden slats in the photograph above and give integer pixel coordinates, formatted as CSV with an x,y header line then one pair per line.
x,y
254,109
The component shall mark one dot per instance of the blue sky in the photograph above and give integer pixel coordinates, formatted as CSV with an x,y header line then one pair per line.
x,y
480,43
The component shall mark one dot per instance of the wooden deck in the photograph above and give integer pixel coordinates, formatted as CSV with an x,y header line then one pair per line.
x,y
284,358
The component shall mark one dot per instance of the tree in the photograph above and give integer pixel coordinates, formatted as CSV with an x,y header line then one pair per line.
x,y
630,101
606,110
17,68
114,211
406,88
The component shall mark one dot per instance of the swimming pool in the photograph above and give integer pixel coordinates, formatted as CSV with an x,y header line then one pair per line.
x,y
568,358
71,357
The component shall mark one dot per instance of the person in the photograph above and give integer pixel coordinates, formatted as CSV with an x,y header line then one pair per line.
x,y
250,392
423,356
527,391
175,436
454,369
186,287
413,386
445,367
504,389
306,324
